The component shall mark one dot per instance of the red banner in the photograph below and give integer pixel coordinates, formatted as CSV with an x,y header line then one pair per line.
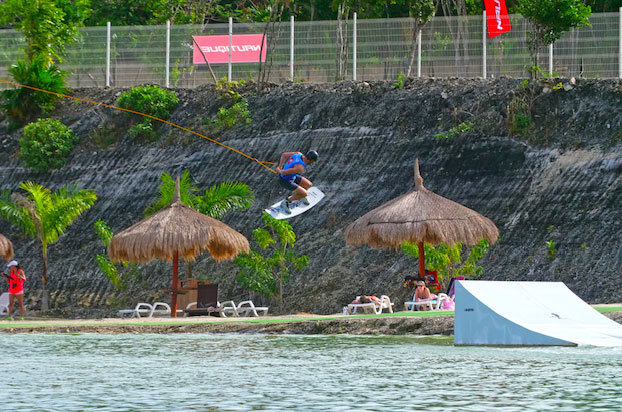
x,y
497,18
245,48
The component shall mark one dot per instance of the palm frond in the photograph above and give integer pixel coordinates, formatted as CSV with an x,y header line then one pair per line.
x,y
187,187
224,197
18,216
40,195
61,214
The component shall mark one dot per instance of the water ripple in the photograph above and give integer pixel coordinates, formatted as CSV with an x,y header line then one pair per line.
x,y
308,373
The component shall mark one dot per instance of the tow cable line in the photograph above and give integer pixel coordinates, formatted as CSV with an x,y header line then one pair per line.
x,y
260,162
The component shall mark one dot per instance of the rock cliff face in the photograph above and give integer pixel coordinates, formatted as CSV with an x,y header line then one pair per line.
x,y
556,177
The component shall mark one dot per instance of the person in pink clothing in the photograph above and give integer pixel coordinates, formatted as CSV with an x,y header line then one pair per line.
x,y
367,299
423,293
16,280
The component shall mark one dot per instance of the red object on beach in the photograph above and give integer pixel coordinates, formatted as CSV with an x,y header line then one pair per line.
x,y
431,278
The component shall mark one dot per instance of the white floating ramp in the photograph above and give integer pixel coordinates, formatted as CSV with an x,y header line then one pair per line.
x,y
528,313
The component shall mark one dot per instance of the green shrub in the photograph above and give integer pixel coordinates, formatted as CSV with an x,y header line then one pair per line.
x,y
455,131
151,100
551,249
22,103
143,131
400,81
229,89
46,144
118,279
228,118
520,121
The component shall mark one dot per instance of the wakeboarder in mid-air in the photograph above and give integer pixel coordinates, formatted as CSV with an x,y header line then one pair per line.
x,y
291,166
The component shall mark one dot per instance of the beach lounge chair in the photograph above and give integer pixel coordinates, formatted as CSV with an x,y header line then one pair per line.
x,y
430,304
248,308
224,309
160,308
207,303
147,310
141,309
4,303
385,303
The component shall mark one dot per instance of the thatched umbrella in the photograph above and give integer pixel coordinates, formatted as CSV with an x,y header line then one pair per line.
x,y
420,216
177,230
6,248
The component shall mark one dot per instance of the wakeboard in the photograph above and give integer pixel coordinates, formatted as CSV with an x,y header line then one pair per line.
x,y
314,195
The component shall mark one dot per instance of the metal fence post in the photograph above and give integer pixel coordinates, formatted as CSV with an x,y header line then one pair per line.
x,y
291,48
551,59
108,54
168,54
484,43
620,45
419,53
354,47
230,34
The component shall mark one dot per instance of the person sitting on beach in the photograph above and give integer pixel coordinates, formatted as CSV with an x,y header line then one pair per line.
x,y
367,299
423,293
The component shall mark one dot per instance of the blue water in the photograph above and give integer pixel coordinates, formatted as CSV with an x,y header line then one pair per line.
x,y
205,372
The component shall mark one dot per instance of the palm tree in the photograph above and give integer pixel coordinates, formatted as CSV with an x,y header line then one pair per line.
x,y
223,198
45,216
167,189
216,202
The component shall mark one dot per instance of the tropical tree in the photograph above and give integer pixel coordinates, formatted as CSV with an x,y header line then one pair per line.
x,y
216,201
187,190
118,278
46,24
268,274
447,259
549,20
45,216
421,12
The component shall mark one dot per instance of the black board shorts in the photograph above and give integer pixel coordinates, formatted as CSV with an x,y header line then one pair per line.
x,y
290,184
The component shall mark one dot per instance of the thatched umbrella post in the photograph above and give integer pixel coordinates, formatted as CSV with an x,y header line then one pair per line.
x,y
6,248
418,186
420,216
173,232
175,283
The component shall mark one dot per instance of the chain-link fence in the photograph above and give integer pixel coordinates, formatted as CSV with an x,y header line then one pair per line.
x,y
385,48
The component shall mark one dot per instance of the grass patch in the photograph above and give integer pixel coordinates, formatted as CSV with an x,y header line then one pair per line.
x,y
57,324
54,323
605,309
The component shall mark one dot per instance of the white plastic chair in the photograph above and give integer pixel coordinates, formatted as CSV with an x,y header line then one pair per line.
x,y
165,309
4,303
247,308
223,309
385,303
141,308
431,304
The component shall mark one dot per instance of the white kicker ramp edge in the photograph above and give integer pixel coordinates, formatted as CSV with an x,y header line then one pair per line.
x,y
528,313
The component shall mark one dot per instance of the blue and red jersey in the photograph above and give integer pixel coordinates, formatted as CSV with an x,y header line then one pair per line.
x,y
294,160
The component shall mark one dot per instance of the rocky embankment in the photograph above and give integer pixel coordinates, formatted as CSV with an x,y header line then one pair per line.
x,y
556,177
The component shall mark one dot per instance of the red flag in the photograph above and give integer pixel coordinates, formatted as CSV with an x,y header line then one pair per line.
x,y
497,18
